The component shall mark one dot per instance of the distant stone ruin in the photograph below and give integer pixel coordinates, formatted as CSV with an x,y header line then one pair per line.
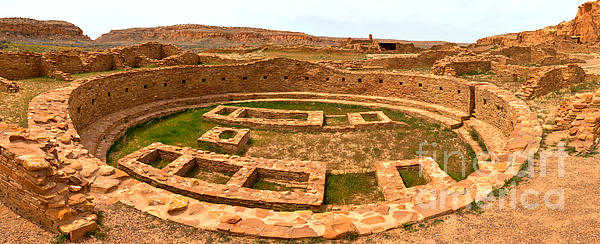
x,y
551,79
462,64
60,65
373,46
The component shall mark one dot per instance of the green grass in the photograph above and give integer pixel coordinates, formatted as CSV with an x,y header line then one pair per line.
x,y
209,175
412,177
261,184
477,138
13,106
327,108
356,188
36,47
370,117
336,121
574,89
314,55
227,135
184,128
160,163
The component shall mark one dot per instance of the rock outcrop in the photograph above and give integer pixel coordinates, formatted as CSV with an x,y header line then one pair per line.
x,y
583,29
192,33
23,29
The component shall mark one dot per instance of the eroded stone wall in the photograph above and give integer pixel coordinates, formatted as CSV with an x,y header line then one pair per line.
x,y
462,65
34,184
423,60
62,64
551,79
580,115
16,66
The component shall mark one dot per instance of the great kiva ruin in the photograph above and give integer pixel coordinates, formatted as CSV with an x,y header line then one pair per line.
x,y
253,135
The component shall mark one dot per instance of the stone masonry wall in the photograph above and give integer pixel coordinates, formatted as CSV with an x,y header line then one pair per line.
x,y
111,93
61,64
580,115
422,60
16,66
33,184
551,79
462,64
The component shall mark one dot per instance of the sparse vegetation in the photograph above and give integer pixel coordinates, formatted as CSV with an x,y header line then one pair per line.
x,y
161,163
412,176
357,188
477,138
38,47
13,106
183,129
261,184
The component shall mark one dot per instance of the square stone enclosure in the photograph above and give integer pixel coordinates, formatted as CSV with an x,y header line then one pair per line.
x,y
372,118
391,182
230,140
307,178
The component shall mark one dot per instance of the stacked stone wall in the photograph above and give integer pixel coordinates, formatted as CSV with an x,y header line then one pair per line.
x,y
33,185
62,64
105,95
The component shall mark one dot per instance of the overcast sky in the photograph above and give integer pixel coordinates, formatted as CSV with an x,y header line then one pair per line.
x,y
449,20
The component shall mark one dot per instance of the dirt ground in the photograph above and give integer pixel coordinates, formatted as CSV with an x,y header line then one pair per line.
x,y
576,222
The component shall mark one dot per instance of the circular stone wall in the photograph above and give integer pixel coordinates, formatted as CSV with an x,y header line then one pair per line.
x,y
91,114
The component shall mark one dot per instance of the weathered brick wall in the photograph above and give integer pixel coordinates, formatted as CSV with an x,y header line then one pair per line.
x,y
139,87
98,61
580,115
153,50
111,93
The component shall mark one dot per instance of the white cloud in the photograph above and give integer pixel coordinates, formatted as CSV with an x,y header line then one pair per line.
x,y
452,20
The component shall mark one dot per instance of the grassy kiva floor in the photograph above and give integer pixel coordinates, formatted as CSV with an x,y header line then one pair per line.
x,y
350,152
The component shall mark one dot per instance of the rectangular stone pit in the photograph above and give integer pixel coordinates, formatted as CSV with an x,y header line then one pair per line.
x,y
229,140
303,182
290,120
393,187
370,119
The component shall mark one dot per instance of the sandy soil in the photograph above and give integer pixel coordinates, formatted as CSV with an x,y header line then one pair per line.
x,y
578,221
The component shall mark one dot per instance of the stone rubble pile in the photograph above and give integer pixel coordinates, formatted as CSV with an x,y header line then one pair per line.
x,y
581,116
